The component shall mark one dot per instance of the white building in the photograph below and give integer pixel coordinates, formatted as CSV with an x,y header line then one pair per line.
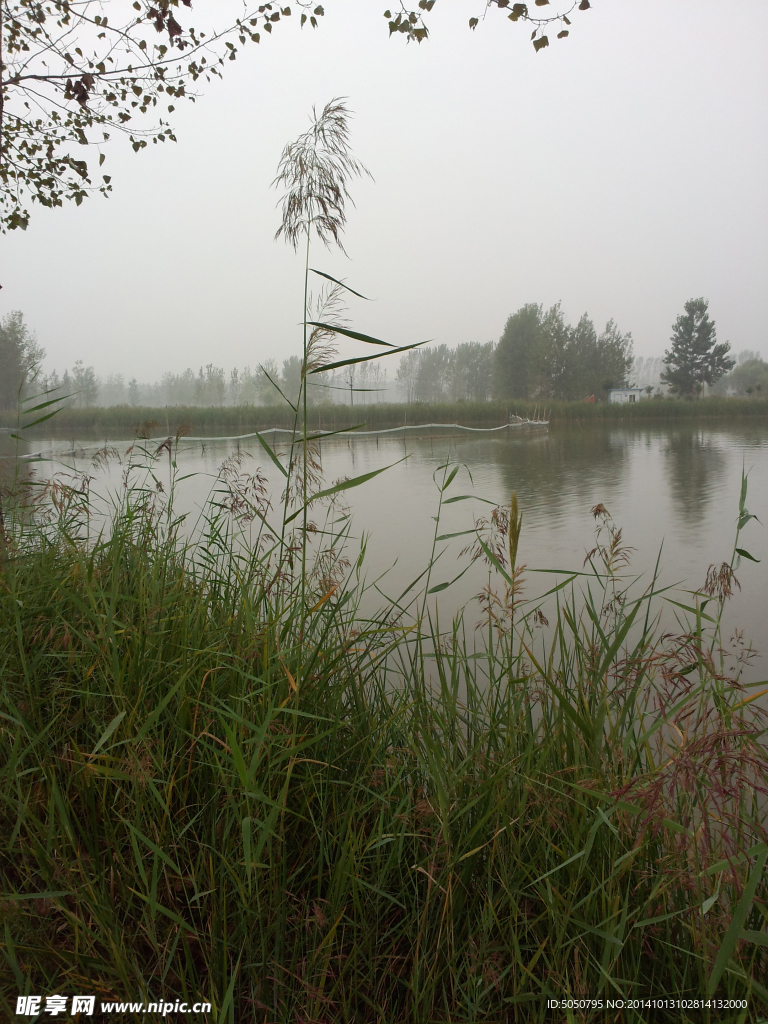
x,y
624,395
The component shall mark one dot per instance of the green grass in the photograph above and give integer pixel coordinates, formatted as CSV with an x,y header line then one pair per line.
x,y
119,422
207,792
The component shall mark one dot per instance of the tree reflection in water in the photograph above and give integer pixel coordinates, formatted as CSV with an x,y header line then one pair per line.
x,y
695,464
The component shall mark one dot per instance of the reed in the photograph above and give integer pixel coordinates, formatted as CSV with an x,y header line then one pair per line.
x,y
300,813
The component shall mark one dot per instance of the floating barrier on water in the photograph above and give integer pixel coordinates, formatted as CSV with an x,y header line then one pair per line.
x,y
417,426
514,424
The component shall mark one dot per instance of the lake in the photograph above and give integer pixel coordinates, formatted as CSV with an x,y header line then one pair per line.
x,y
674,489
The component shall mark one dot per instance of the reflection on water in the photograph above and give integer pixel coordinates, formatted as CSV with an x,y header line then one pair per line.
x,y
677,487
557,473
695,464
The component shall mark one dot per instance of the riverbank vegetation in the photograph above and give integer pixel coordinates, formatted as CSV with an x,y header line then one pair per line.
x,y
220,779
540,359
123,422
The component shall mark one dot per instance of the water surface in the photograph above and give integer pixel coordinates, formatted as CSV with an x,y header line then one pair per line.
x,y
673,489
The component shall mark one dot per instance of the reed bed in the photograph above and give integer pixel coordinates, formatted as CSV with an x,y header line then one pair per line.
x,y
211,788
118,422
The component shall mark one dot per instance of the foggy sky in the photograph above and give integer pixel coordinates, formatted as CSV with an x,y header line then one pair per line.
x,y
622,171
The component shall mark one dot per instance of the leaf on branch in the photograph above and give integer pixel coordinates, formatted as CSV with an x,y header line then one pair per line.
x,y
539,44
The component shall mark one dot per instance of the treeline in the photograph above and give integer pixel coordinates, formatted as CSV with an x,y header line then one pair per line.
x,y
539,357
213,386
464,373
748,379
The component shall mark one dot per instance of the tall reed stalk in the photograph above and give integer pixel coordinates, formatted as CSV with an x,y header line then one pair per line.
x,y
315,170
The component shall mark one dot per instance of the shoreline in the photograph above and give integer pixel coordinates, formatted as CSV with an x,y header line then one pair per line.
x,y
241,420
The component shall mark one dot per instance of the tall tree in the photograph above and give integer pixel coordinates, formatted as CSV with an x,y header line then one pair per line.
x,y
695,358
433,373
471,371
520,359
555,361
20,358
407,372
597,363
85,384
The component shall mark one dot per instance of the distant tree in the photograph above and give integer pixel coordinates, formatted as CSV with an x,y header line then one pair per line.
x,y
748,378
559,354
263,390
695,359
290,378
540,356
442,373
614,360
587,363
234,387
133,392
113,390
433,374
210,386
20,358
407,371
371,380
471,371
85,384
747,355
183,388
349,378
520,357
